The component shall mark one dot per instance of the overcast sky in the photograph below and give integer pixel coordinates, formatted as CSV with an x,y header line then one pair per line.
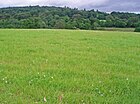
x,y
102,5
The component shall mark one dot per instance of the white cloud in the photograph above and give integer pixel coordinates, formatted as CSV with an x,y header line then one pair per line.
x,y
70,3
103,5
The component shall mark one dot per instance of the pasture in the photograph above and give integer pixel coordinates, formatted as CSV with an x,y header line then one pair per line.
x,y
69,67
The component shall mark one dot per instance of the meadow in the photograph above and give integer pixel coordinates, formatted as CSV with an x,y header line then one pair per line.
x,y
69,67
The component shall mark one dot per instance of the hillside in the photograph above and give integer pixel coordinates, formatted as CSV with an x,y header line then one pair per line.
x,y
64,18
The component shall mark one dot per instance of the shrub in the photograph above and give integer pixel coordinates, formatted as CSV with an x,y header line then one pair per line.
x,y
137,29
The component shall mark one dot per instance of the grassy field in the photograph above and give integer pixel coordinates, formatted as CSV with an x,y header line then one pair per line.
x,y
117,29
69,67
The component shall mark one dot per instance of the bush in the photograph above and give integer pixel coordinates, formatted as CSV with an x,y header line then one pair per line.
x,y
137,29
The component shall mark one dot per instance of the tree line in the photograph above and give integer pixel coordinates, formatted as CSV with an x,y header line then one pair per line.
x,y
64,18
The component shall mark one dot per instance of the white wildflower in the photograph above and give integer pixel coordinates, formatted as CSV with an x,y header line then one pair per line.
x,y
45,99
127,79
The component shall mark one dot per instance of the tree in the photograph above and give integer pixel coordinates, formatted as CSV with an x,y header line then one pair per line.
x,y
69,25
137,29
60,24
120,23
58,17
95,25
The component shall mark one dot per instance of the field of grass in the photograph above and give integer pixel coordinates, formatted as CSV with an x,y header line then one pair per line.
x,y
69,67
118,29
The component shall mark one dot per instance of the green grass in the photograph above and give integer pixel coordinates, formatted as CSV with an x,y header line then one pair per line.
x,y
117,29
81,67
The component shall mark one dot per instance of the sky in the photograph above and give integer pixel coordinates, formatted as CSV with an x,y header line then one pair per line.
x,y
102,5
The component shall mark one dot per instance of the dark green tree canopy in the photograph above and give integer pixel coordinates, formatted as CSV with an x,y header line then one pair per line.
x,y
64,18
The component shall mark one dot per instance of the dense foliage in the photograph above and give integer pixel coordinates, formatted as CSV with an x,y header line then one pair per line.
x,y
137,29
57,17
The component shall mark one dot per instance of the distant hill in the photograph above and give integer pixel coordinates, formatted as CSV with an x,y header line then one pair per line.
x,y
64,18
